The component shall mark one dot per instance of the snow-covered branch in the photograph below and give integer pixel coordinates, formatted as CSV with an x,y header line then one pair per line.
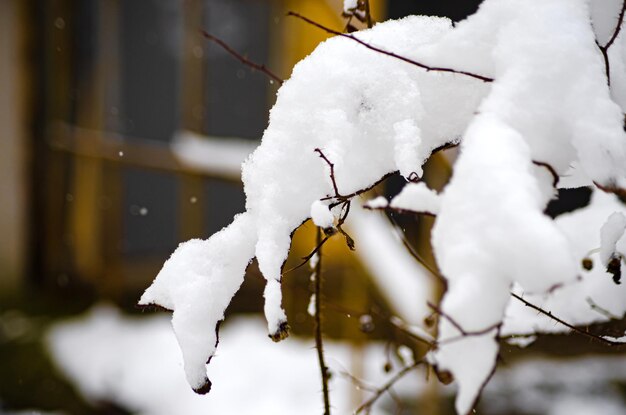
x,y
543,117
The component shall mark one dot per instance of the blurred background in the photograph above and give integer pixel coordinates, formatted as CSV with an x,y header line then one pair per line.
x,y
119,130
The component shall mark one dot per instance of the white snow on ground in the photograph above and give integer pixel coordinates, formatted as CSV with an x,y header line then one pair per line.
x,y
135,362
579,386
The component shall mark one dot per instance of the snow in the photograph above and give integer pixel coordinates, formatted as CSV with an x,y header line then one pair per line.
x,y
135,363
509,209
310,309
315,109
198,288
417,197
377,203
604,14
521,341
550,104
349,116
349,5
220,156
610,233
321,215
557,387
572,301
284,378
405,284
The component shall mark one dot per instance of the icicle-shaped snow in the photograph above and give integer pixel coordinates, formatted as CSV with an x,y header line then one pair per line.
x,y
197,284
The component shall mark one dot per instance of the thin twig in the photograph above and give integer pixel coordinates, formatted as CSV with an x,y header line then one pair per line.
x,y
338,308
607,67
319,344
416,255
568,325
341,221
341,199
357,382
388,53
389,208
605,49
370,402
617,191
618,27
332,173
464,333
309,256
553,173
259,67
595,307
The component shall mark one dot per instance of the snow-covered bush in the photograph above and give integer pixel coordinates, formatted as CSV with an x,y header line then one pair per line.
x,y
534,95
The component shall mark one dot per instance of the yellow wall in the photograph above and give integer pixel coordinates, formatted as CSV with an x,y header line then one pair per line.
x,y
297,39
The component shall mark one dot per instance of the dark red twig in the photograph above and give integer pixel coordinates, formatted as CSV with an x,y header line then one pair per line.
x,y
568,325
338,196
361,191
342,200
399,210
464,333
555,176
332,173
605,49
259,67
617,191
620,19
309,256
388,53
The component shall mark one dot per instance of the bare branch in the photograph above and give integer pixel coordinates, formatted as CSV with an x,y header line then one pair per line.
x,y
332,172
605,49
400,210
618,27
319,344
356,381
365,406
568,325
416,255
259,67
607,67
553,173
464,333
341,199
307,258
388,53
617,191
